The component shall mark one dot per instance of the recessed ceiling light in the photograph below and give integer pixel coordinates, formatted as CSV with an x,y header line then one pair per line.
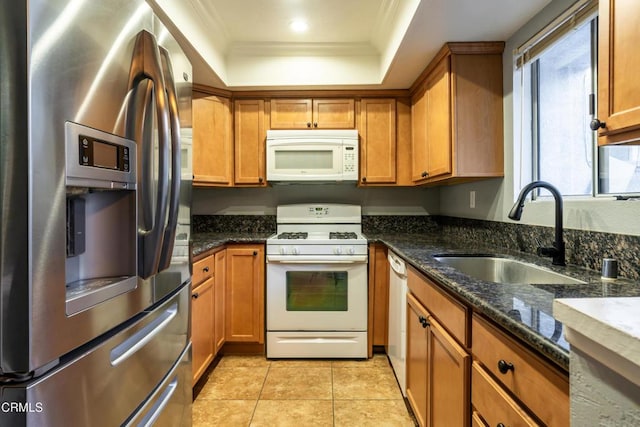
x,y
298,26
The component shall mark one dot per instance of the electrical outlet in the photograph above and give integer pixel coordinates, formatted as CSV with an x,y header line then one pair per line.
x,y
472,199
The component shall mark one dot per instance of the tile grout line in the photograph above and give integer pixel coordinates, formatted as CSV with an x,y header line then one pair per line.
x,y
333,399
264,381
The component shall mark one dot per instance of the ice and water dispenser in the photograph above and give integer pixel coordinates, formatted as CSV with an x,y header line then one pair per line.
x,y
101,244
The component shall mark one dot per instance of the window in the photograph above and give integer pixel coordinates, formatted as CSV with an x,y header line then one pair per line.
x,y
557,73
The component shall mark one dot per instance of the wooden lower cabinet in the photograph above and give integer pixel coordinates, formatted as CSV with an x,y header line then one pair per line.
x,y
541,389
437,371
220,281
378,326
202,338
244,305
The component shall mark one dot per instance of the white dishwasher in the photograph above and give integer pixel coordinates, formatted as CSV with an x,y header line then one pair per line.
x,y
397,338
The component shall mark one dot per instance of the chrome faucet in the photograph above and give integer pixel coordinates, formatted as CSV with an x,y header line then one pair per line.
x,y
557,252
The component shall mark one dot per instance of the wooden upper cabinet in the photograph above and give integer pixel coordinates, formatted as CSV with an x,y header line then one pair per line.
x,y
291,113
419,122
377,128
457,131
250,140
619,62
212,141
333,114
438,129
312,114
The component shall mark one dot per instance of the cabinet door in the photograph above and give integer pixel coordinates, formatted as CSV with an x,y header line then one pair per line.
x,y
449,386
419,122
619,61
202,328
378,141
378,296
250,140
219,299
333,114
418,375
245,294
291,113
212,142
438,116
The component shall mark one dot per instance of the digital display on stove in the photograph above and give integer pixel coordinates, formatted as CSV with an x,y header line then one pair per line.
x,y
319,211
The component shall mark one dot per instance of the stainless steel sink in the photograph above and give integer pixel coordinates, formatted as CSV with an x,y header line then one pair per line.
x,y
504,270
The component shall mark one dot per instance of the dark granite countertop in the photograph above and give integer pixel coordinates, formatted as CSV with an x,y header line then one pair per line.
x,y
203,242
524,310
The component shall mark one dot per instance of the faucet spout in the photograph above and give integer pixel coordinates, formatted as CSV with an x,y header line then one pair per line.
x,y
557,252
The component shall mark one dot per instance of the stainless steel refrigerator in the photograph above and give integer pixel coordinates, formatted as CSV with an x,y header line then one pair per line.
x,y
95,192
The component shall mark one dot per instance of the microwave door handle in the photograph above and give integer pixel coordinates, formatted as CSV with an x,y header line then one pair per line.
x,y
174,199
145,64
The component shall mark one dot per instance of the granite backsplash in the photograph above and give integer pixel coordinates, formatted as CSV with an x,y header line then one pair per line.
x,y
583,248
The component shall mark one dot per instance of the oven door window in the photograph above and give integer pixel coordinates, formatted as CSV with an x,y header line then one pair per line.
x,y
317,290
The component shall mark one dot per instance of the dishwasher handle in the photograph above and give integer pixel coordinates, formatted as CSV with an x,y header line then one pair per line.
x,y
397,264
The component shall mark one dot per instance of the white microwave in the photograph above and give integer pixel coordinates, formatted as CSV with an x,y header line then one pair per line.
x,y
316,155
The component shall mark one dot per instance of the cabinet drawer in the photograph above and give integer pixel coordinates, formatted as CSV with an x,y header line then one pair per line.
x,y
493,403
202,270
539,385
445,308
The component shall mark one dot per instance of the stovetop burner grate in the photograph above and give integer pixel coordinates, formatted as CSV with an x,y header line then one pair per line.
x,y
291,235
343,235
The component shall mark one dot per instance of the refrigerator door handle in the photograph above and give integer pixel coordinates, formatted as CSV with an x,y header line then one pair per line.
x,y
146,65
157,409
135,342
174,199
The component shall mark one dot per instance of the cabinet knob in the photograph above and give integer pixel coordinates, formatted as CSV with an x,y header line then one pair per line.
x,y
308,124
597,124
315,124
364,179
195,295
504,366
423,321
424,174
500,425
206,269
260,179
255,253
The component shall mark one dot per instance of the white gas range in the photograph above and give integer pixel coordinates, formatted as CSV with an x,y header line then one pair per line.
x,y
317,283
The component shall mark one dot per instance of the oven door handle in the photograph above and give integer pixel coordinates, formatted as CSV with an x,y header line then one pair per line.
x,y
317,259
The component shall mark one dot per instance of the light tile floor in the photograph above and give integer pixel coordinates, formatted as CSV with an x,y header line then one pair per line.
x,y
253,391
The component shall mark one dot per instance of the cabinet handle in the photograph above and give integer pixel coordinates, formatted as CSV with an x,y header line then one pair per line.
x,y
597,124
504,366
308,124
423,321
206,269
315,124
195,295
424,174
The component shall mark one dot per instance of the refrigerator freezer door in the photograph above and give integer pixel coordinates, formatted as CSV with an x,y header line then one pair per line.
x,y
63,61
107,384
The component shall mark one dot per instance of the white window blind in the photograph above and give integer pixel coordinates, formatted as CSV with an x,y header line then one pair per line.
x,y
578,13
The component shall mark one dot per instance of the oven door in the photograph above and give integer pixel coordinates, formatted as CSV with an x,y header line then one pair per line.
x,y
320,296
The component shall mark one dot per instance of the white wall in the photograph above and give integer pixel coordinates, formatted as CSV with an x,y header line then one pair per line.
x,y
494,198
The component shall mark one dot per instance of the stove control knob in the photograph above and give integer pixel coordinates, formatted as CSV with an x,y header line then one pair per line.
x,y
283,250
351,251
337,250
295,251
